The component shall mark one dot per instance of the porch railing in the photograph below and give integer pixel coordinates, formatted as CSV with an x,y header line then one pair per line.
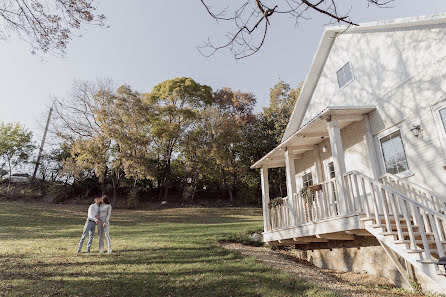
x,y
322,205
423,227
359,199
279,215
421,195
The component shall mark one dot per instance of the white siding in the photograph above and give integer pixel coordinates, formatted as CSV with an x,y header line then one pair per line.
x,y
402,73
381,61
355,148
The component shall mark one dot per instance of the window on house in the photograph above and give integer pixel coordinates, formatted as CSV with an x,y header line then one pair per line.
x,y
331,170
393,153
307,180
344,75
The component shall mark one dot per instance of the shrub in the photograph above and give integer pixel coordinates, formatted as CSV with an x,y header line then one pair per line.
x,y
134,197
56,193
252,238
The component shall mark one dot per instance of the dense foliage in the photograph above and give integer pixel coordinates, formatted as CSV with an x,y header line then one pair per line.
x,y
182,141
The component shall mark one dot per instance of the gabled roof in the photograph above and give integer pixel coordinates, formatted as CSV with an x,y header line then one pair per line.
x,y
325,44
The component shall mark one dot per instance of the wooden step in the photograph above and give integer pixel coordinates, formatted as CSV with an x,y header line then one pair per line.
x,y
411,251
414,251
382,218
393,226
427,261
430,241
405,233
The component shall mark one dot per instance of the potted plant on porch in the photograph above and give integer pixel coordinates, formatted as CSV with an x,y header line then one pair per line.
x,y
307,194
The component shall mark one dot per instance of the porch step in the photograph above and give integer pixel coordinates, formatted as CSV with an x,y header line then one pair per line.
x,y
394,226
382,218
405,233
414,251
427,261
433,251
430,241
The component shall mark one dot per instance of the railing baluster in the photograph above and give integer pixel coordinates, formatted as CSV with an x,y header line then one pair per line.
x,y
296,207
365,198
332,199
421,229
375,203
326,189
316,207
436,236
321,205
299,206
351,194
382,199
406,215
322,199
393,201
358,196
349,204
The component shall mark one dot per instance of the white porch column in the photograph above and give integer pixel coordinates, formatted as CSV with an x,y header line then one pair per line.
x,y
318,164
373,159
337,152
290,186
265,197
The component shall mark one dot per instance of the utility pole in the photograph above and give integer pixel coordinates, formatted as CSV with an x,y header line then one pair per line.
x,y
43,142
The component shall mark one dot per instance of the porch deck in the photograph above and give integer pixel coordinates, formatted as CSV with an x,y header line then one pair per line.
x,y
320,218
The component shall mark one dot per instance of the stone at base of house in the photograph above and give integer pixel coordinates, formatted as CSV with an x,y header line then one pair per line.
x,y
364,255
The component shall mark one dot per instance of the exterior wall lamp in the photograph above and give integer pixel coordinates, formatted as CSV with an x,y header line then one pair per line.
x,y
324,147
416,130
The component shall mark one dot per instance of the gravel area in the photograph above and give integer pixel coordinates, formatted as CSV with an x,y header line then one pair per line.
x,y
343,283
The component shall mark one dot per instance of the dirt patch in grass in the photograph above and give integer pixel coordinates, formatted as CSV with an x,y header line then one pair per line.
x,y
343,283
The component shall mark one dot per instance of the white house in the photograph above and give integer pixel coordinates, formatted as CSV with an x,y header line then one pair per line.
x,y
367,136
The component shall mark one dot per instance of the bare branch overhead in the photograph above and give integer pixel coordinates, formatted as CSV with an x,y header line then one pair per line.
x,y
250,20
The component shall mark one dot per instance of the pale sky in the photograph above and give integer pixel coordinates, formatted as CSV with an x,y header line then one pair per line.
x,y
151,41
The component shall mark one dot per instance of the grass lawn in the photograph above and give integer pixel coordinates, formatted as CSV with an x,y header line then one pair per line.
x,y
170,252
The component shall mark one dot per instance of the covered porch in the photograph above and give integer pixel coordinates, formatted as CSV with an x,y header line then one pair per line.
x,y
332,211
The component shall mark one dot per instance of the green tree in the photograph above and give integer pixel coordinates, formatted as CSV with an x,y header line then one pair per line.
x,y
212,151
176,106
278,113
127,120
15,145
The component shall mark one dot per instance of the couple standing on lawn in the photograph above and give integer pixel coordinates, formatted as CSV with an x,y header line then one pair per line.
x,y
98,214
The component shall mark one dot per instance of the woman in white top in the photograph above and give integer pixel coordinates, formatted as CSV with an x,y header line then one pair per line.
x,y
104,224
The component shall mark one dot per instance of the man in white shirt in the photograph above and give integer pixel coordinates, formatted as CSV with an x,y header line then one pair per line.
x,y
90,225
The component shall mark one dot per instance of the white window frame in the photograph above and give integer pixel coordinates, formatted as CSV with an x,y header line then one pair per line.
x,y
351,70
382,163
439,124
326,169
301,175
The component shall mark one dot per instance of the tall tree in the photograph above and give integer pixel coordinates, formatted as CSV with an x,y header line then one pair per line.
x,y
47,26
249,20
222,124
127,119
15,146
76,122
176,105
278,113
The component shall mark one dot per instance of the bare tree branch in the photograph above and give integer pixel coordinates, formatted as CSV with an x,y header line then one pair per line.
x,y
251,20
47,25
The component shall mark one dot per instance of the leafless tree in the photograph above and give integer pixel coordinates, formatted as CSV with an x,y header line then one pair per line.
x,y
47,25
251,19
75,115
